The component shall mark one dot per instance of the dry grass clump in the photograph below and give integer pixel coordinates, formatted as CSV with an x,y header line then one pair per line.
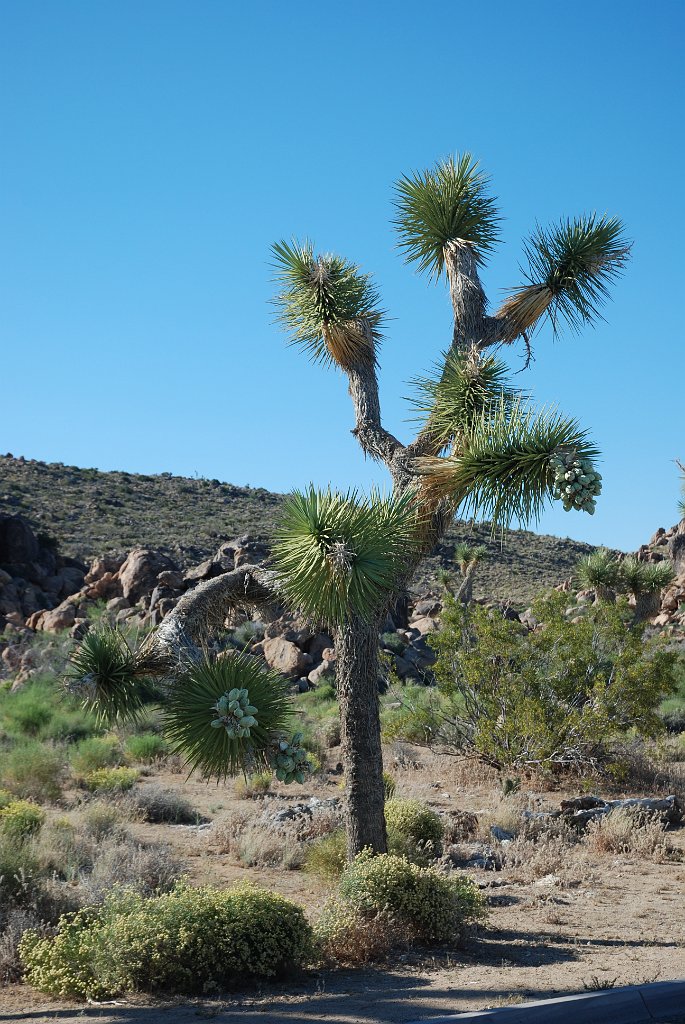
x,y
346,937
631,834
257,847
458,826
159,805
253,785
327,857
226,831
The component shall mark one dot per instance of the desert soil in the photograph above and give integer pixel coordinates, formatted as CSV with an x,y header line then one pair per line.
x,y
594,920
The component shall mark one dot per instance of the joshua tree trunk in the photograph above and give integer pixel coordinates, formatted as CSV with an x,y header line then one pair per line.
x,y
357,649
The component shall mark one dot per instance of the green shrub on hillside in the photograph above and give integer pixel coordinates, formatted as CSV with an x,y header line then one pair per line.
x,y
186,941
557,698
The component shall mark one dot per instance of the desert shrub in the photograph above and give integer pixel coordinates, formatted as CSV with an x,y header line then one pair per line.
x,y
326,857
253,785
246,632
346,936
21,819
28,711
629,833
260,847
40,710
63,851
69,725
324,692
146,747
414,830
94,753
411,714
226,831
33,771
422,904
158,804
555,698
101,819
186,941
149,868
393,642
458,826
13,923
5,798
18,867
111,780
389,785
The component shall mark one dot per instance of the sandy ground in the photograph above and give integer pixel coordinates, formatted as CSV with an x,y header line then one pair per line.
x,y
602,921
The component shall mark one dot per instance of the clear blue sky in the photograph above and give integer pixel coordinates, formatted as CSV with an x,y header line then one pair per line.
x,y
152,150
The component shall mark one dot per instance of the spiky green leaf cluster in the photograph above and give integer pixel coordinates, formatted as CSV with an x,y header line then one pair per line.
x,y
466,555
462,388
113,681
191,712
504,471
339,555
576,260
600,568
321,293
645,577
576,482
446,204
290,760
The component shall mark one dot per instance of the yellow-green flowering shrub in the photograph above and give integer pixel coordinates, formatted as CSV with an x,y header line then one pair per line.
x,y
188,940
111,780
21,819
417,905
414,830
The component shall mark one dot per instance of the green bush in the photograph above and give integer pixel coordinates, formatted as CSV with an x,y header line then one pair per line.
x,y
326,857
32,771
146,747
111,780
419,903
557,698
95,752
21,819
393,642
414,830
186,941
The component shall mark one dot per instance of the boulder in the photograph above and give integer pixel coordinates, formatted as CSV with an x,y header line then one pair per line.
x,y
62,617
170,579
317,644
429,606
107,563
138,574
325,668
424,625
285,657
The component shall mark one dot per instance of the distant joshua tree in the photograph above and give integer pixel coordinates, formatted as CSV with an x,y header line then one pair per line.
x,y
342,559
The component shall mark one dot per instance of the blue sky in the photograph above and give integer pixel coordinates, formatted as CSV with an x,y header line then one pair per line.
x,y
152,151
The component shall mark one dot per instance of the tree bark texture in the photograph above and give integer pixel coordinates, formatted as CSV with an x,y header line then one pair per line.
x,y
360,732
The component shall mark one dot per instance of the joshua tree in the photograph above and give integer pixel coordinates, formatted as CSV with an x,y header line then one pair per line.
x,y
481,450
468,557
599,571
645,581
608,574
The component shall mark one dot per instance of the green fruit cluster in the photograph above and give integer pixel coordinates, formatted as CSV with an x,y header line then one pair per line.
x,y
290,760
235,713
576,482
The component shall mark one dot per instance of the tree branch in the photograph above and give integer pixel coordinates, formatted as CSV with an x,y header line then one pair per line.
x,y
373,439
203,610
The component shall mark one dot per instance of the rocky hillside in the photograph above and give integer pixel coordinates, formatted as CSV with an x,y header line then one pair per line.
x,y
87,514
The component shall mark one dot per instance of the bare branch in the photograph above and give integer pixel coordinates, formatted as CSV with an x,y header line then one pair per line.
x,y
373,439
203,610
